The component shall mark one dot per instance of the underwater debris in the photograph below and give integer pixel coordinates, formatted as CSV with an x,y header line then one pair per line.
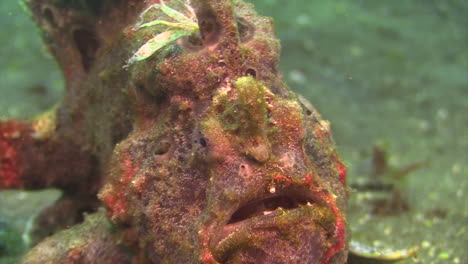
x,y
362,254
389,180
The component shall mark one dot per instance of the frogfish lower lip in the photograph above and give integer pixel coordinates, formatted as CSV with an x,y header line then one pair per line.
x,y
279,215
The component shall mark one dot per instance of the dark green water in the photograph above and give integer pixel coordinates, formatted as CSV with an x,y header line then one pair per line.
x,y
387,73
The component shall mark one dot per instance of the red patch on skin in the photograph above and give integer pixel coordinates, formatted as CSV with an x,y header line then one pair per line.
x,y
115,203
12,135
341,171
9,171
339,221
116,198
128,168
308,180
207,258
74,255
339,229
280,177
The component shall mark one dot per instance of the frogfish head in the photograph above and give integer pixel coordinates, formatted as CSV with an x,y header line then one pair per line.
x,y
224,163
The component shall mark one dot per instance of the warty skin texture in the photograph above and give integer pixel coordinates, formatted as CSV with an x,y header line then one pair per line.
x,y
199,153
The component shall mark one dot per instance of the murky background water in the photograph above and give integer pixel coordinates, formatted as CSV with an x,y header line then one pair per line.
x,y
388,75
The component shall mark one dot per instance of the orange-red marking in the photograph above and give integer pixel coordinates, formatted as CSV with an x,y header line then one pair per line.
x,y
207,258
11,137
341,171
128,168
280,177
116,203
339,221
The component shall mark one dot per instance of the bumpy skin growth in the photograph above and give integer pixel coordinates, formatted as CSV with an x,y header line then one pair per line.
x,y
200,153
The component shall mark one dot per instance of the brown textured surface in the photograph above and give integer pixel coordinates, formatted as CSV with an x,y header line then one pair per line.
x,y
203,153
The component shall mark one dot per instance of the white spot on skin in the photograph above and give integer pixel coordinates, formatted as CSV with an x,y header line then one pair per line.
x,y
272,189
325,126
288,160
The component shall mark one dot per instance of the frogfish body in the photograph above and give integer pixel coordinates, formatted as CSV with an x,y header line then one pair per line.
x,y
176,120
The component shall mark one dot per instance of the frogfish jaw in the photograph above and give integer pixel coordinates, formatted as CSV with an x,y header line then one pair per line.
x,y
292,224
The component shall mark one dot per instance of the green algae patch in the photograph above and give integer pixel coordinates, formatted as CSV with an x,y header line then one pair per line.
x,y
252,102
244,109
227,111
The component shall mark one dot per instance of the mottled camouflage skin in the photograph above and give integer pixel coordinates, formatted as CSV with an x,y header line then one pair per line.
x,y
200,153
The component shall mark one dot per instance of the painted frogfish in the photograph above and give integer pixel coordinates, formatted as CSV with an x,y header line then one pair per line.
x,y
177,140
